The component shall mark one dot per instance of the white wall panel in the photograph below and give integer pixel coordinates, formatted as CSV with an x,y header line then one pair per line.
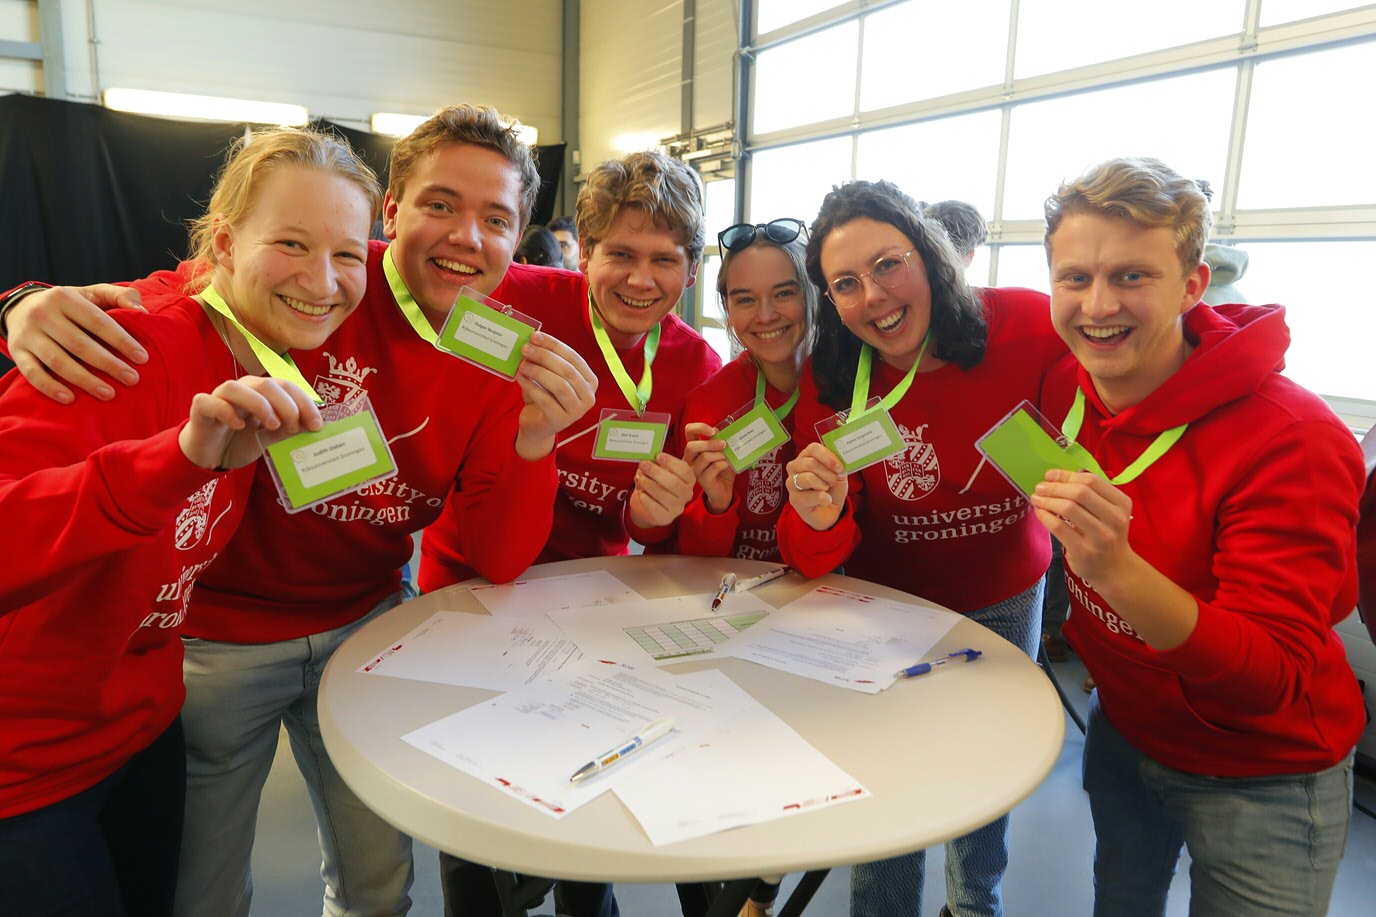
x,y
342,59
714,62
630,76
19,22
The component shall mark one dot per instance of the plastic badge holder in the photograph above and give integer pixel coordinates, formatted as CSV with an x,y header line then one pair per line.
x,y
625,436
869,440
1023,446
486,333
348,453
751,432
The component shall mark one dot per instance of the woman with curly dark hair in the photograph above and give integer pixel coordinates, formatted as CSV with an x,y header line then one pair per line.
x,y
898,320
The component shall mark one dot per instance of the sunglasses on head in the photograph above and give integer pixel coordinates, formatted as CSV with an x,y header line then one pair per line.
x,y
742,235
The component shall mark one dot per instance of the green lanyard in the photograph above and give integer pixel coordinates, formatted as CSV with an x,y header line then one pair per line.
x,y
279,367
861,394
782,410
405,301
1075,417
638,396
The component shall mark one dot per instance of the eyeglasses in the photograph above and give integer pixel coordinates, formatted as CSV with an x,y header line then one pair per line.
x,y
848,290
742,235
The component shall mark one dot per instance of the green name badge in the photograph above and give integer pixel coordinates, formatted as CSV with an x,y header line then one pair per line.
x,y
340,457
861,443
624,436
1023,449
752,436
488,337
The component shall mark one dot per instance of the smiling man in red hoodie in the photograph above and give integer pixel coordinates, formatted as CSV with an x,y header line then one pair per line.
x,y
1209,553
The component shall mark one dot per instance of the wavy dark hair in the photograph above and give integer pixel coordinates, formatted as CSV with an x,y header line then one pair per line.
x,y
959,330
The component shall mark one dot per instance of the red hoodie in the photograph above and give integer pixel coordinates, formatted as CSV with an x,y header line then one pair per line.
x,y
1253,512
106,526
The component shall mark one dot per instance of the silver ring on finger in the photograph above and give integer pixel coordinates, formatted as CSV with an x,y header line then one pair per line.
x,y
796,485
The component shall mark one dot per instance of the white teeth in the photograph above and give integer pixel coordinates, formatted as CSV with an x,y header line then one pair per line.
x,y
1103,334
638,303
890,323
455,266
304,307
770,335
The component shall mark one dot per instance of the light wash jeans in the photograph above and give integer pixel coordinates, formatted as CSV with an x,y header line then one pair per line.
x,y
1258,845
237,697
975,863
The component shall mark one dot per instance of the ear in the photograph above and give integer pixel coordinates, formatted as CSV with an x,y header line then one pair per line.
x,y
222,243
1196,282
389,216
693,274
585,255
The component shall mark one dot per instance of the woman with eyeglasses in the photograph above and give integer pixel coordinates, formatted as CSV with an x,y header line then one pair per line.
x,y
770,309
899,321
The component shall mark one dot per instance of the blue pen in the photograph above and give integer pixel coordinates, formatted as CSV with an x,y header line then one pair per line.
x,y
922,668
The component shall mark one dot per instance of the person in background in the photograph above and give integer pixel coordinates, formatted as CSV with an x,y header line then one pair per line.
x,y
538,247
899,321
963,224
565,231
1210,552
112,509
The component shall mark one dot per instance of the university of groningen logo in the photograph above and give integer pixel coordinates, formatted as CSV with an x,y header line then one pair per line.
x,y
193,521
914,472
766,485
342,386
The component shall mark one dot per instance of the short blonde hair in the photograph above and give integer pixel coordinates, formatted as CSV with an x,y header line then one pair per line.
x,y
250,161
666,189
480,125
1145,191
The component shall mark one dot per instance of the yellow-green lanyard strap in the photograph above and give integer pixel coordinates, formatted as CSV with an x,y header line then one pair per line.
x,y
1075,418
405,301
782,410
638,396
279,367
861,393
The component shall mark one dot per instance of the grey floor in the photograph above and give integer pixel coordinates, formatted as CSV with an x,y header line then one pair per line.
x,y
1049,872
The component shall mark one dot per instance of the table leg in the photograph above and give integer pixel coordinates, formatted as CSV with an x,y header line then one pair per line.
x,y
802,894
518,894
731,898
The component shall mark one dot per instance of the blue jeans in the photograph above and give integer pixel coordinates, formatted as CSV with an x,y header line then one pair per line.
x,y
109,850
238,696
1258,845
975,863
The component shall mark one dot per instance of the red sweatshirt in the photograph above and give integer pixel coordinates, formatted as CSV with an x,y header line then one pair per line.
x,y
1253,512
106,526
936,521
452,428
591,502
747,527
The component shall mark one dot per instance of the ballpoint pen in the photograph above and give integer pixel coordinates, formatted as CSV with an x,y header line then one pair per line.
x,y
728,582
656,730
767,576
922,668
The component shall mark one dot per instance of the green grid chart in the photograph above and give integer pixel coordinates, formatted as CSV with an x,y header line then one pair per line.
x,y
690,638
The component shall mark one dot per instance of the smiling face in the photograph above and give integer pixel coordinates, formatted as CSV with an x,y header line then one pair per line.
x,y
636,273
568,248
1118,291
894,322
294,266
455,224
764,304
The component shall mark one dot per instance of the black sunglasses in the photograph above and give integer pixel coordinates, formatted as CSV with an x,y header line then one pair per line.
x,y
740,236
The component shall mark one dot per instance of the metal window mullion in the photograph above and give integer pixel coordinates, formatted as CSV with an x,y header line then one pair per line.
x,y
1005,123
1237,132
819,23
855,107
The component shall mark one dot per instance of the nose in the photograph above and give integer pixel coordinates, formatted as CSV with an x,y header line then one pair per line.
x,y
640,275
767,308
874,293
464,231
1100,302
319,278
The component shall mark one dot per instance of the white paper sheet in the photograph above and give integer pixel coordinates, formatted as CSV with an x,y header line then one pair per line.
x,y
477,651
528,743
736,779
843,638
534,597
659,631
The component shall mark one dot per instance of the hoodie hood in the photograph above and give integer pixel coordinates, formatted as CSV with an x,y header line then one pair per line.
x,y
1236,348
1226,267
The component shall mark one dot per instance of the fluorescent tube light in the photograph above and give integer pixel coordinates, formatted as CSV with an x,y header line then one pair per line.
x,y
204,108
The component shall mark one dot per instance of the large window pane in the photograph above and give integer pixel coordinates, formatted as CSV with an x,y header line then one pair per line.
x,y
1023,266
1308,143
719,200
937,160
713,327
791,181
1182,121
1274,12
924,50
1055,35
774,14
1332,321
977,274
808,80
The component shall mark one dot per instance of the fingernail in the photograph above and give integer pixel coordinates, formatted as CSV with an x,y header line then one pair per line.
x,y
141,355
129,377
1040,489
64,397
105,393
